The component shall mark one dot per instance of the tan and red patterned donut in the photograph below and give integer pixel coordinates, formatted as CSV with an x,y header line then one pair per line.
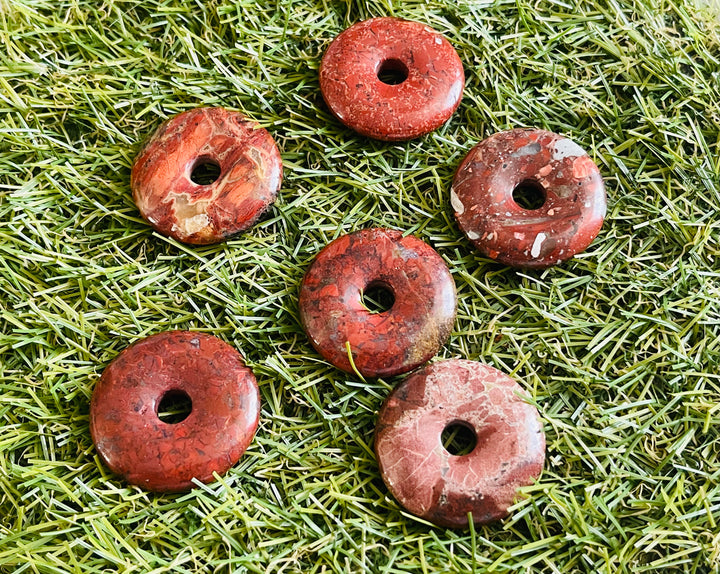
x,y
567,181
249,173
351,71
137,445
382,344
441,487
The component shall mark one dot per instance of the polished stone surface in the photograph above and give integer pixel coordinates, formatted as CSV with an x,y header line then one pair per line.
x,y
423,102
436,485
250,175
565,224
152,454
397,340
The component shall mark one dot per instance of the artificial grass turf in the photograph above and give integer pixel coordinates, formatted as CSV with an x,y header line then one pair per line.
x,y
618,347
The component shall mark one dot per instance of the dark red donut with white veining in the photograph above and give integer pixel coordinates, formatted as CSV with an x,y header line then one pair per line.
x,y
382,344
436,485
250,173
155,455
418,105
558,169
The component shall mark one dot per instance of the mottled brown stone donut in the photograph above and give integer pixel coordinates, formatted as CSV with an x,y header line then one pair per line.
x,y
382,344
250,174
436,485
133,441
418,105
566,223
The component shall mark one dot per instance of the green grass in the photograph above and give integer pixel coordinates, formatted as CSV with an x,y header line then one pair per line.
x,y
620,347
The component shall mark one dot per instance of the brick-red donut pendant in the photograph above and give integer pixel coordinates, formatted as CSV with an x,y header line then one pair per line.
x,y
436,485
156,455
553,170
397,340
359,63
205,175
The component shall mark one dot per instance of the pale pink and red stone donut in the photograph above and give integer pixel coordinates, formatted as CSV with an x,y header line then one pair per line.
x,y
443,488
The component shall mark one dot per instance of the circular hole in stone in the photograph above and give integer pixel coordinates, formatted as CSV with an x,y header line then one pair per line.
x,y
174,407
378,297
392,72
205,171
459,438
529,194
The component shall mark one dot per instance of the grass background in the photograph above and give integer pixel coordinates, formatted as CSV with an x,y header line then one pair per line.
x,y
619,347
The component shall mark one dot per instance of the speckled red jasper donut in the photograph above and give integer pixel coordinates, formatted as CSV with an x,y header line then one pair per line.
x,y
436,485
244,154
382,344
356,60
558,169
155,455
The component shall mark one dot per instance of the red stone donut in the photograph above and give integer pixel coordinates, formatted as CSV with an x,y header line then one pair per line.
x,y
244,154
436,485
382,344
557,170
353,64
147,452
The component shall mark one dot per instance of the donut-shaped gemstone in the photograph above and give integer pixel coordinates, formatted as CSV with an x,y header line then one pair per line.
x,y
441,487
391,79
205,175
529,198
394,341
160,456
